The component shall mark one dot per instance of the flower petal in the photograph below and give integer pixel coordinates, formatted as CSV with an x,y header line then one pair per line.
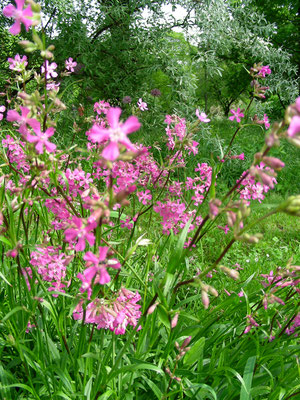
x,y
113,116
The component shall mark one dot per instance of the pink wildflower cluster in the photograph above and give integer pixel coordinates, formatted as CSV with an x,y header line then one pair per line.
x,y
51,264
174,216
115,313
15,153
78,181
58,207
101,107
176,132
252,190
17,64
141,171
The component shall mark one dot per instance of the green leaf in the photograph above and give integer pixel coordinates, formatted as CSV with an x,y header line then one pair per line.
x,y
195,353
135,367
22,386
163,316
177,254
5,240
153,387
88,388
248,375
13,311
106,395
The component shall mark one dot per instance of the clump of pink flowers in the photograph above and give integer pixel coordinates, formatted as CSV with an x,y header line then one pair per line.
x,y
115,313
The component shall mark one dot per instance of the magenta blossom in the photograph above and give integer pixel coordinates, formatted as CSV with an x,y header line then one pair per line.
x,y
17,64
41,138
117,133
236,115
20,16
294,127
101,107
13,115
2,110
265,69
81,232
266,121
49,69
97,269
142,105
70,64
202,117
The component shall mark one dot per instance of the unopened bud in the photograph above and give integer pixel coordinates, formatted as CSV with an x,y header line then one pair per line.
x,y
174,321
232,273
205,299
152,308
291,206
186,342
273,162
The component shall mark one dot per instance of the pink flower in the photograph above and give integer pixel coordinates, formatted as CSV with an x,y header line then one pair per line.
x,y
12,115
81,232
53,86
20,16
294,127
70,64
225,228
117,133
202,117
49,69
17,64
144,197
101,107
97,268
41,138
266,121
236,115
265,69
2,110
142,105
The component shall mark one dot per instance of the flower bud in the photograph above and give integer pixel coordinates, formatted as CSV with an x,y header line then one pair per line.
x,y
152,308
174,321
232,273
186,342
273,162
205,299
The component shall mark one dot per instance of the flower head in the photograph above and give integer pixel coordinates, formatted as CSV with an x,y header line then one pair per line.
x,y
17,64
49,69
236,115
70,64
2,110
115,134
202,117
41,138
19,15
142,105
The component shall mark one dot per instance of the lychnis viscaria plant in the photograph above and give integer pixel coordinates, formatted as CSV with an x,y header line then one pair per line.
x,y
99,247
